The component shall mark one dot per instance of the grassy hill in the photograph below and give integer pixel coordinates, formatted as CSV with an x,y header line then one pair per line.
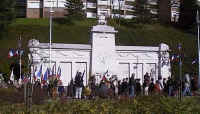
x,y
79,32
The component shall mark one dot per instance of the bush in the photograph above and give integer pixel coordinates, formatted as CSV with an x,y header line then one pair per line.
x,y
65,20
142,104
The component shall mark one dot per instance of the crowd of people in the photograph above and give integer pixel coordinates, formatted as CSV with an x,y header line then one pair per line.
x,y
112,87
131,87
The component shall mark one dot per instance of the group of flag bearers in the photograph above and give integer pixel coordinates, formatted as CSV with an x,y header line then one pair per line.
x,y
49,73
39,76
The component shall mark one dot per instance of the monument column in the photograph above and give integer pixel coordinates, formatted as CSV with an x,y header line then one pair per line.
x,y
103,50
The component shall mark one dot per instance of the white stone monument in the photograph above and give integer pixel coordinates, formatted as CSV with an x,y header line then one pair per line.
x,y
103,50
102,56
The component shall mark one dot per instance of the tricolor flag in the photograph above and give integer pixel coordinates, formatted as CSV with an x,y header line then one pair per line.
x,y
54,69
59,72
34,71
46,75
173,57
194,61
16,52
105,74
25,79
11,53
12,76
39,72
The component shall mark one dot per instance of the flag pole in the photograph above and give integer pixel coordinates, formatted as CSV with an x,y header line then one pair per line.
x,y
20,60
198,22
50,33
180,71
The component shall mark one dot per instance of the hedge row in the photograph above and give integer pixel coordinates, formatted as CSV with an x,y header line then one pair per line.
x,y
143,104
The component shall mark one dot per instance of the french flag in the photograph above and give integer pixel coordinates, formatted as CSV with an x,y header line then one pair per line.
x,y
54,69
16,53
194,61
59,72
46,75
10,54
39,72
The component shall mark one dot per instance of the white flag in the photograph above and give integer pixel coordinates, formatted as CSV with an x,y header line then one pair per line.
x,y
12,76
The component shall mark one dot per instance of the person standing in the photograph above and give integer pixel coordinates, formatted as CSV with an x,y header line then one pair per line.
x,y
151,87
170,86
157,88
132,86
78,85
138,87
60,88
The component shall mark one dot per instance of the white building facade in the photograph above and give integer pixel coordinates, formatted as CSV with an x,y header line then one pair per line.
x,y
101,56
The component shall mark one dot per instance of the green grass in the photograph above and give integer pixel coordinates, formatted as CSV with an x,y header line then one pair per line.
x,y
79,32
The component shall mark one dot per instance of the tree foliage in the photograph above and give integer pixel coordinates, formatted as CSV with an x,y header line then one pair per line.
x,y
74,8
164,11
188,10
7,14
142,11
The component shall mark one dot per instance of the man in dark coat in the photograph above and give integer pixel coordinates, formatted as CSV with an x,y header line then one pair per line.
x,y
138,88
132,85
78,85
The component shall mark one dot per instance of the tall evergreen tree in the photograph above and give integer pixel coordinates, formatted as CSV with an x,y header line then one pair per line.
x,y
74,8
142,11
164,12
7,14
188,10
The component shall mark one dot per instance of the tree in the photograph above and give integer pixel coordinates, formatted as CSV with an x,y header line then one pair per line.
x,y
7,14
74,8
188,10
164,11
142,11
